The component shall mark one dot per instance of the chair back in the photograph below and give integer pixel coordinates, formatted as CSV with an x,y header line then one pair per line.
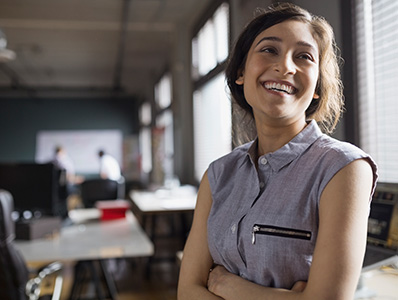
x,y
93,190
13,271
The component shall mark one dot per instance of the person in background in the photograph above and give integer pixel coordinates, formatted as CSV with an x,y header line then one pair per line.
x,y
70,183
285,215
64,162
109,167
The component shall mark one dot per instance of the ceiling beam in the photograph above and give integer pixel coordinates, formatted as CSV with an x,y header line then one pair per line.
x,y
122,45
85,25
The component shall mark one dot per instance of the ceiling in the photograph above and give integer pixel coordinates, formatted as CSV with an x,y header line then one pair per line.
x,y
89,46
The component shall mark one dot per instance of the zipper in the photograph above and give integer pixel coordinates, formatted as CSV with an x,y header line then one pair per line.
x,y
279,231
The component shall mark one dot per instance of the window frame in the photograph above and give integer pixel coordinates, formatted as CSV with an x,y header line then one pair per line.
x,y
202,80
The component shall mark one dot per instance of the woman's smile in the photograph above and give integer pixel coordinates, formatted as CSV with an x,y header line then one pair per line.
x,y
280,87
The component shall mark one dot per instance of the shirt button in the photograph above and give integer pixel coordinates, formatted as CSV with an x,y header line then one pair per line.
x,y
262,184
233,228
263,161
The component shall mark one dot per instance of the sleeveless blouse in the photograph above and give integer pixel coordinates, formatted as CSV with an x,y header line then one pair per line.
x,y
263,222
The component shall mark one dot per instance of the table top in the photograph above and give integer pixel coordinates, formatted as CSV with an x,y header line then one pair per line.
x,y
163,201
380,282
93,240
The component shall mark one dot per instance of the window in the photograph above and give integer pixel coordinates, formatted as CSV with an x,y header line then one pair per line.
x,y
163,92
145,116
212,108
212,123
377,69
165,121
163,137
210,45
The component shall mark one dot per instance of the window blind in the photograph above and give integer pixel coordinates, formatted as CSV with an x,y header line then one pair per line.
x,y
212,108
377,75
212,124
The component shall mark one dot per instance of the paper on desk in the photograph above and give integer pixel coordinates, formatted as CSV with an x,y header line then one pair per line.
x,y
179,203
84,214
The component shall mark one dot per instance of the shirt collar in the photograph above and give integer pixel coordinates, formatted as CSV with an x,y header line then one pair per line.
x,y
290,151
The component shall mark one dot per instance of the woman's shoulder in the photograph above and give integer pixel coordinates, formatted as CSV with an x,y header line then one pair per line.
x,y
227,164
232,157
330,146
337,153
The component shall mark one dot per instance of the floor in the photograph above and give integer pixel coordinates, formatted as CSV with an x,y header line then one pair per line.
x,y
162,285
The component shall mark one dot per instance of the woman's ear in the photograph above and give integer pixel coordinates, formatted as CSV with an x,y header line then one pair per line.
x,y
316,96
239,80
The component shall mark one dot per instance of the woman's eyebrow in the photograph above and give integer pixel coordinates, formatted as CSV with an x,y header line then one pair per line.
x,y
277,39
308,45
269,38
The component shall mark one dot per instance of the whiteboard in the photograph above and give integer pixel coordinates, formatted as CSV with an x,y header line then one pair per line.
x,y
82,146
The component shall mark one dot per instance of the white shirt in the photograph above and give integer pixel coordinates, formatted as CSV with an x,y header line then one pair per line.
x,y
109,167
62,161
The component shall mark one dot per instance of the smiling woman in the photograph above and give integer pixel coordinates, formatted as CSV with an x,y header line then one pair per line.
x,y
285,215
328,87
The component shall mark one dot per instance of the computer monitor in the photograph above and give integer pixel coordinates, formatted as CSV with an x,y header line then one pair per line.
x,y
383,219
34,187
382,225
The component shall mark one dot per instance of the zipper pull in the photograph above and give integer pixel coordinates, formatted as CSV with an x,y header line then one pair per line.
x,y
256,228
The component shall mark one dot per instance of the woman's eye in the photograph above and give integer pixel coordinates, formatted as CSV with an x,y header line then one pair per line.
x,y
306,56
268,50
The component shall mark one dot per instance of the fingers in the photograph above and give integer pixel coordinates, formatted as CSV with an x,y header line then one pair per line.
x,y
299,286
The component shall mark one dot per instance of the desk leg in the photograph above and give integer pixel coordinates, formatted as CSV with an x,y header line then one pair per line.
x,y
79,274
96,280
149,225
86,272
109,282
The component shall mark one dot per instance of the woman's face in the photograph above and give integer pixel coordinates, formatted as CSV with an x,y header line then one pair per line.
x,y
281,72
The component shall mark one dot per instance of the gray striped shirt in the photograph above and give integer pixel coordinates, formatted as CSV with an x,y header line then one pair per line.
x,y
263,224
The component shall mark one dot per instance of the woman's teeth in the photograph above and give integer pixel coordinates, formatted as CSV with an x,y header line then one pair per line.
x,y
279,87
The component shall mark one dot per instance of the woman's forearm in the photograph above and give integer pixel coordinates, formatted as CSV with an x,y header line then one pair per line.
x,y
230,287
196,292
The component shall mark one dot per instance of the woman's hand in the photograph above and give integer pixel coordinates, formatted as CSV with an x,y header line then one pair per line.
x,y
299,286
217,278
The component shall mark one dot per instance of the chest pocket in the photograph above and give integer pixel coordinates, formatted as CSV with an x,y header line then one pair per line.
x,y
279,232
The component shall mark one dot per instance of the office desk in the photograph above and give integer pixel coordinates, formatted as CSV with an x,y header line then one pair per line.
x,y
172,205
93,240
163,202
147,205
379,281
90,244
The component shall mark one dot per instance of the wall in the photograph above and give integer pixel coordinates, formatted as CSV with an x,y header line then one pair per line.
x,y
21,119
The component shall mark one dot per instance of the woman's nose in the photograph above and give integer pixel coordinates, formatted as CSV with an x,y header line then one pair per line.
x,y
285,65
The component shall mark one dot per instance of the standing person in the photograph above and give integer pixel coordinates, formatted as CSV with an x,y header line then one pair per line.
x,y
70,184
285,215
64,162
109,167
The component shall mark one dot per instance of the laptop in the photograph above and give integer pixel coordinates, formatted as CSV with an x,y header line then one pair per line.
x,y
382,241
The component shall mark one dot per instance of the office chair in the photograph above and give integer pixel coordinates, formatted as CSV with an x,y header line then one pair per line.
x,y
14,274
93,190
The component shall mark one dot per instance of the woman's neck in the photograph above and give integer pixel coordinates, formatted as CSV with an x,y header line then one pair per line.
x,y
271,138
